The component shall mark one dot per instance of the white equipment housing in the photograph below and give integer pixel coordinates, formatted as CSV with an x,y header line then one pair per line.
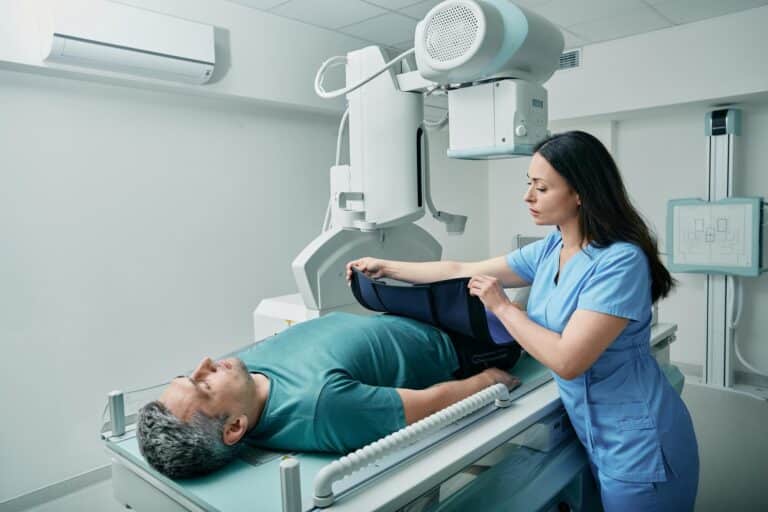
x,y
116,37
382,144
319,268
496,119
491,57
463,41
378,196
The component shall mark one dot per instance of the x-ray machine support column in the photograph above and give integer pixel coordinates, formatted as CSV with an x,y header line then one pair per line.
x,y
722,128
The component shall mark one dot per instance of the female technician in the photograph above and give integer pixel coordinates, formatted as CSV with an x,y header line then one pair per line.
x,y
593,281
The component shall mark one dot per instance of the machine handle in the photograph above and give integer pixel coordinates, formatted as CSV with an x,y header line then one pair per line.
x,y
343,197
117,412
369,454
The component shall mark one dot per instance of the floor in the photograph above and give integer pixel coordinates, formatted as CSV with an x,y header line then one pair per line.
x,y
733,448
96,498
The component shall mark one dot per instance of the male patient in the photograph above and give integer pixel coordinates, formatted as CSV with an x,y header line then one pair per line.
x,y
332,384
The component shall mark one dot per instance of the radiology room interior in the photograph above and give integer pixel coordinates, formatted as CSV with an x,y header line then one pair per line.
x,y
142,221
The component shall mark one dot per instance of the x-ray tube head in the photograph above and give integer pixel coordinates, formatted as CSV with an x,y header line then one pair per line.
x,y
464,41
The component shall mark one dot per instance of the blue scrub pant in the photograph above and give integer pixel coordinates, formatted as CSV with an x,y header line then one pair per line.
x,y
677,494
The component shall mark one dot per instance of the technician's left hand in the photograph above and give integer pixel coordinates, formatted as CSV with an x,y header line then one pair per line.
x,y
489,290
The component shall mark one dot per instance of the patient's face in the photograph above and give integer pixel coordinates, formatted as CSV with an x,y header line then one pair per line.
x,y
216,388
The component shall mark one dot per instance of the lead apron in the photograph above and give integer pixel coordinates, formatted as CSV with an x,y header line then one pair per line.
x,y
448,306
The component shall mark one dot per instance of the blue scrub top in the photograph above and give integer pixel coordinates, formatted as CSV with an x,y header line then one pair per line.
x,y
630,420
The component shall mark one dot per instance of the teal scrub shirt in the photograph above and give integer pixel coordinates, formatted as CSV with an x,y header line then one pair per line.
x,y
333,379
631,421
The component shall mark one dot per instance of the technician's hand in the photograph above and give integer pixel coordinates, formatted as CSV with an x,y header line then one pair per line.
x,y
489,290
498,376
371,267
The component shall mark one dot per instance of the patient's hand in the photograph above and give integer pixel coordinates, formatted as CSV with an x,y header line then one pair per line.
x,y
498,376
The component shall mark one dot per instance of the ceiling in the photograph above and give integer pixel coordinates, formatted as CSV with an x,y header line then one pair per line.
x,y
392,23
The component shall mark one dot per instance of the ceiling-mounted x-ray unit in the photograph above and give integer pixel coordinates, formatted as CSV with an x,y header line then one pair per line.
x,y
491,58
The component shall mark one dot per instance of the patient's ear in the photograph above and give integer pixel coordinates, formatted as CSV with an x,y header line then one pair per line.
x,y
235,429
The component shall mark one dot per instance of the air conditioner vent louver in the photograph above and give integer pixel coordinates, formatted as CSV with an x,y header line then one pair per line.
x,y
119,38
570,59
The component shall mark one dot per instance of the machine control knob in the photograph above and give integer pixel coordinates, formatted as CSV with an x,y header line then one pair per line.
x,y
521,130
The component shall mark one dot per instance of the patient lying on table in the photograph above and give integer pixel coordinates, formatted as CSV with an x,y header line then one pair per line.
x,y
333,384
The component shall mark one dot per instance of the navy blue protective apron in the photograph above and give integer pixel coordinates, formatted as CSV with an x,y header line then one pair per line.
x,y
448,306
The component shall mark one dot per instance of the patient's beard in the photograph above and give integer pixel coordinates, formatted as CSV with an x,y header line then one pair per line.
x,y
242,368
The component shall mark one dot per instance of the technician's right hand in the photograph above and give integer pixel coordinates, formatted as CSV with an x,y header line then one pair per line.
x,y
371,267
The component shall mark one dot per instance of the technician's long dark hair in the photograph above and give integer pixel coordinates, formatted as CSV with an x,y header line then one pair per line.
x,y
606,214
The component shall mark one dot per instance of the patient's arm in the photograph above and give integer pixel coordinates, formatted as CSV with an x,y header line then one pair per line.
x,y
420,403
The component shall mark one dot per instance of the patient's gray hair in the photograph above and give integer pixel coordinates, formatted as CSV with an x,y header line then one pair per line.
x,y
180,449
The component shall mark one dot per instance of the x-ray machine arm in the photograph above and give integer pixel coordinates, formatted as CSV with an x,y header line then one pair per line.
x,y
491,58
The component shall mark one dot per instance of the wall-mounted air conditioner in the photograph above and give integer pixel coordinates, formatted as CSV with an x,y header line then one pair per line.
x,y
115,37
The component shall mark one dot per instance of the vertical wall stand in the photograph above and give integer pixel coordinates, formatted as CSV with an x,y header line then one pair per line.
x,y
722,129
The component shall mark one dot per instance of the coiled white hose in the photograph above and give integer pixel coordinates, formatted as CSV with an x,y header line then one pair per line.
x,y
737,301
337,162
341,60
369,454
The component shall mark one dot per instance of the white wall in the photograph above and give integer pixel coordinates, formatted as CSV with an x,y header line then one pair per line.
x,y
138,232
662,156
752,180
266,58
709,60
